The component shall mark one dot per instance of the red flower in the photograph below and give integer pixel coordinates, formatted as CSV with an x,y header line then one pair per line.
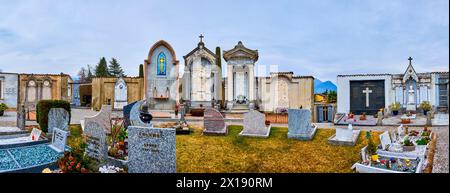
x,y
70,168
72,163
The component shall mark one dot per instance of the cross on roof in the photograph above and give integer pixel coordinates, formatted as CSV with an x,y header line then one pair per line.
x,y
410,59
201,37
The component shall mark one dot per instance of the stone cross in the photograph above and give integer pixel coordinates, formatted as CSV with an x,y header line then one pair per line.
x,y
410,59
201,37
367,92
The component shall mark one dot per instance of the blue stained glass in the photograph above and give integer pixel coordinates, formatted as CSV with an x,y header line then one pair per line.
x,y
161,64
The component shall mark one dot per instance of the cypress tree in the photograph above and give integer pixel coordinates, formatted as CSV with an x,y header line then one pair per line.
x,y
141,71
219,57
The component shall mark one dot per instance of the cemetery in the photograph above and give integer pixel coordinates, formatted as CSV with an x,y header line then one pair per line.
x,y
162,122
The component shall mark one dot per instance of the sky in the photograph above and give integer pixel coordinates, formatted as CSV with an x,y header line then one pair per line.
x,y
317,38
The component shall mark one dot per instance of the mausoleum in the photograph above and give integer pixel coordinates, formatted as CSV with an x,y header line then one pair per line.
x,y
368,93
9,83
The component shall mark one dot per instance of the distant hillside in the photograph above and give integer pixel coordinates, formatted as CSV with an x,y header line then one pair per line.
x,y
320,87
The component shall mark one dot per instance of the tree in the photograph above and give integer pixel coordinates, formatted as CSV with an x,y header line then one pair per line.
x,y
89,73
115,69
219,58
101,70
82,74
141,71
331,96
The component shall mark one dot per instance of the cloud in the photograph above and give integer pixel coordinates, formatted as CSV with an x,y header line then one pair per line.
x,y
318,38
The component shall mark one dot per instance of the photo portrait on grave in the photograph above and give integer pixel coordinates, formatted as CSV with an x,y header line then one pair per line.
x,y
225,95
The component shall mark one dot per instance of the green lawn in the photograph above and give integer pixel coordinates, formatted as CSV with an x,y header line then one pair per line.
x,y
232,153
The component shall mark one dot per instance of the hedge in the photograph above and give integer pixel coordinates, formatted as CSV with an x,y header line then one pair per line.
x,y
44,106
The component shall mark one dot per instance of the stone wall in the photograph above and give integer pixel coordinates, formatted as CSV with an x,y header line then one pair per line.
x,y
103,90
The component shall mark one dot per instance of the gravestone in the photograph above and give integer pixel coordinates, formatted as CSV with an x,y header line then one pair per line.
x,y
59,139
345,136
126,114
214,123
120,94
385,140
102,118
35,134
151,150
254,125
21,117
299,124
58,118
135,115
379,118
428,123
96,141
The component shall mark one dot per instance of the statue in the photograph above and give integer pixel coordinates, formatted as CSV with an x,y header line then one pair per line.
x,y
411,95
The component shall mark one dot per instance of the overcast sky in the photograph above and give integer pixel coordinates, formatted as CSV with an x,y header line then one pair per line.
x,y
319,38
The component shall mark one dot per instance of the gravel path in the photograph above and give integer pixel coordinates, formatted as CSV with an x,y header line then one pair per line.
x,y
440,164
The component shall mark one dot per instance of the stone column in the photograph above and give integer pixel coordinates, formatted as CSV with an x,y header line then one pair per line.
x,y
21,116
230,86
251,82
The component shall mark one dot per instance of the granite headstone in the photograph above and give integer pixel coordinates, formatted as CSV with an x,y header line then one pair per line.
x,y
126,114
102,118
299,124
151,150
58,118
214,123
254,125
96,141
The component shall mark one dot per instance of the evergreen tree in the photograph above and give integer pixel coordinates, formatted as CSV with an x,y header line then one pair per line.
x,y
101,70
141,71
219,57
115,69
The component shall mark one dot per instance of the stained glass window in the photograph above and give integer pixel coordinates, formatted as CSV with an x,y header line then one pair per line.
x,y
161,67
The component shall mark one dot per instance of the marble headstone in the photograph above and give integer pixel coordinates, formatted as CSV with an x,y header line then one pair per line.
x,y
151,150
102,118
385,140
345,136
254,125
35,134
299,124
126,113
120,94
59,139
58,118
214,123
96,141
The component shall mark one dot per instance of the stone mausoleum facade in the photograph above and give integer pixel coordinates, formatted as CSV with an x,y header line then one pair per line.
x,y
9,84
368,93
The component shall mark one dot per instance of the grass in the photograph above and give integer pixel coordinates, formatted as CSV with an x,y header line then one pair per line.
x,y
233,153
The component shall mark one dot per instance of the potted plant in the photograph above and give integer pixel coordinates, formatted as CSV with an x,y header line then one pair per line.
x,y
408,145
363,117
425,106
3,107
395,107
371,147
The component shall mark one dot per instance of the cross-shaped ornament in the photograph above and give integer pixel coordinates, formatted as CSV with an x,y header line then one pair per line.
x,y
201,37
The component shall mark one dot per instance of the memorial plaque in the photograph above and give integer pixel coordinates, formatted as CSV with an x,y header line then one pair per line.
x,y
214,123
35,134
151,150
59,139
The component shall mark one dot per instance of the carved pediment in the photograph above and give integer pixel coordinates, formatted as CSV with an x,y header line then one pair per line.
x,y
240,51
410,73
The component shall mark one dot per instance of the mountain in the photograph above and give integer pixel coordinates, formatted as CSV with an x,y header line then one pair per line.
x,y
320,87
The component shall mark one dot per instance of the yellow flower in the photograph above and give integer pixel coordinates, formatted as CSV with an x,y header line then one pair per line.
x,y
46,171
